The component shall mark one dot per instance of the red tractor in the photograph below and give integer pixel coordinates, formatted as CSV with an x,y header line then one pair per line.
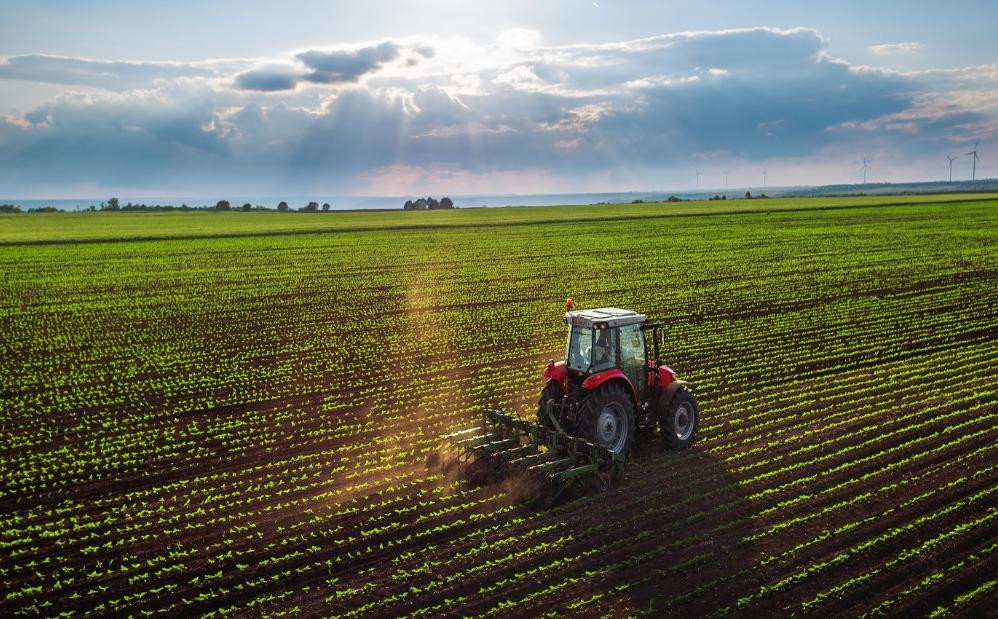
x,y
613,384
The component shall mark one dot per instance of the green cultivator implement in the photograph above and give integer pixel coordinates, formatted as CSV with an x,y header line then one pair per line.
x,y
553,461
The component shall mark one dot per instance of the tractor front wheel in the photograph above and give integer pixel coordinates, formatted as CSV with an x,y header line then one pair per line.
x,y
679,419
608,419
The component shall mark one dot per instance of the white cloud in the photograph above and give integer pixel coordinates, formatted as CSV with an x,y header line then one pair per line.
x,y
116,75
519,38
907,47
521,76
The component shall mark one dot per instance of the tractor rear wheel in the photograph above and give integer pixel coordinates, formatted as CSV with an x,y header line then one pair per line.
x,y
608,419
679,419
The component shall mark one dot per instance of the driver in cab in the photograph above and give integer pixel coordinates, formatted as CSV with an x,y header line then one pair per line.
x,y
603,350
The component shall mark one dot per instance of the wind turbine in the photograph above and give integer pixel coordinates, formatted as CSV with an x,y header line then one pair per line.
x,y
698,179
866,165
725,180
764,177
973,174
951,160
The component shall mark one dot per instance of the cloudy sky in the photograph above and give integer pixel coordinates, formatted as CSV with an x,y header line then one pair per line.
x,y
194,98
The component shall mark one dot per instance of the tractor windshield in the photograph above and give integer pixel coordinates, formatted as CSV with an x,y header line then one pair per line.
x,y
579,348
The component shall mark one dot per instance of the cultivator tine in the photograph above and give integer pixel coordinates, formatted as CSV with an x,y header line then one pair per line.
x,y
515,453
461,433
546,467
498,446
481,439
528,461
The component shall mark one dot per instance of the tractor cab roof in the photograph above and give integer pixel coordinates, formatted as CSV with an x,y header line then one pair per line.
x,y
604,317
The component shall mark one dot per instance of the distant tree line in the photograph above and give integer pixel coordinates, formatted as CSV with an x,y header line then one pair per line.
x,y
13,208
428,204
311,207
114,204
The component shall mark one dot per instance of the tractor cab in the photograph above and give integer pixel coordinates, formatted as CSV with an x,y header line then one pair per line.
x,y
610,338
606,339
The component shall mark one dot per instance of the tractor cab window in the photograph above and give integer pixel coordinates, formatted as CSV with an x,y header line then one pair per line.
x,y
632,354
604,350
579,348
591,351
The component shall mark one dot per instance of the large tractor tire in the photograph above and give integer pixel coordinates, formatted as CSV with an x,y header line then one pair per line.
x,y
552,391
607,419
678,419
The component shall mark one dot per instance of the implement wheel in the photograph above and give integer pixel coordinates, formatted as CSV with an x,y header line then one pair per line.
x,y
608,477
679,419
608,419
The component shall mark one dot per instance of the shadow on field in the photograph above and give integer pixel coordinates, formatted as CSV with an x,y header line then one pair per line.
x,y
672,527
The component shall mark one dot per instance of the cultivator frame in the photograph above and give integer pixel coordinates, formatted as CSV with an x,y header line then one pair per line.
x,y
503,444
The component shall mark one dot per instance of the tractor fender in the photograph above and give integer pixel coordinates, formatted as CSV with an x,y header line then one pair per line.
x,y
596,380
670,391
666,375
556,371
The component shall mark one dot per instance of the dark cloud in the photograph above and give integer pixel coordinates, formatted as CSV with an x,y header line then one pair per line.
x,y
330,67
268,79
75,140
759,53
426,51
319,67
750,116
